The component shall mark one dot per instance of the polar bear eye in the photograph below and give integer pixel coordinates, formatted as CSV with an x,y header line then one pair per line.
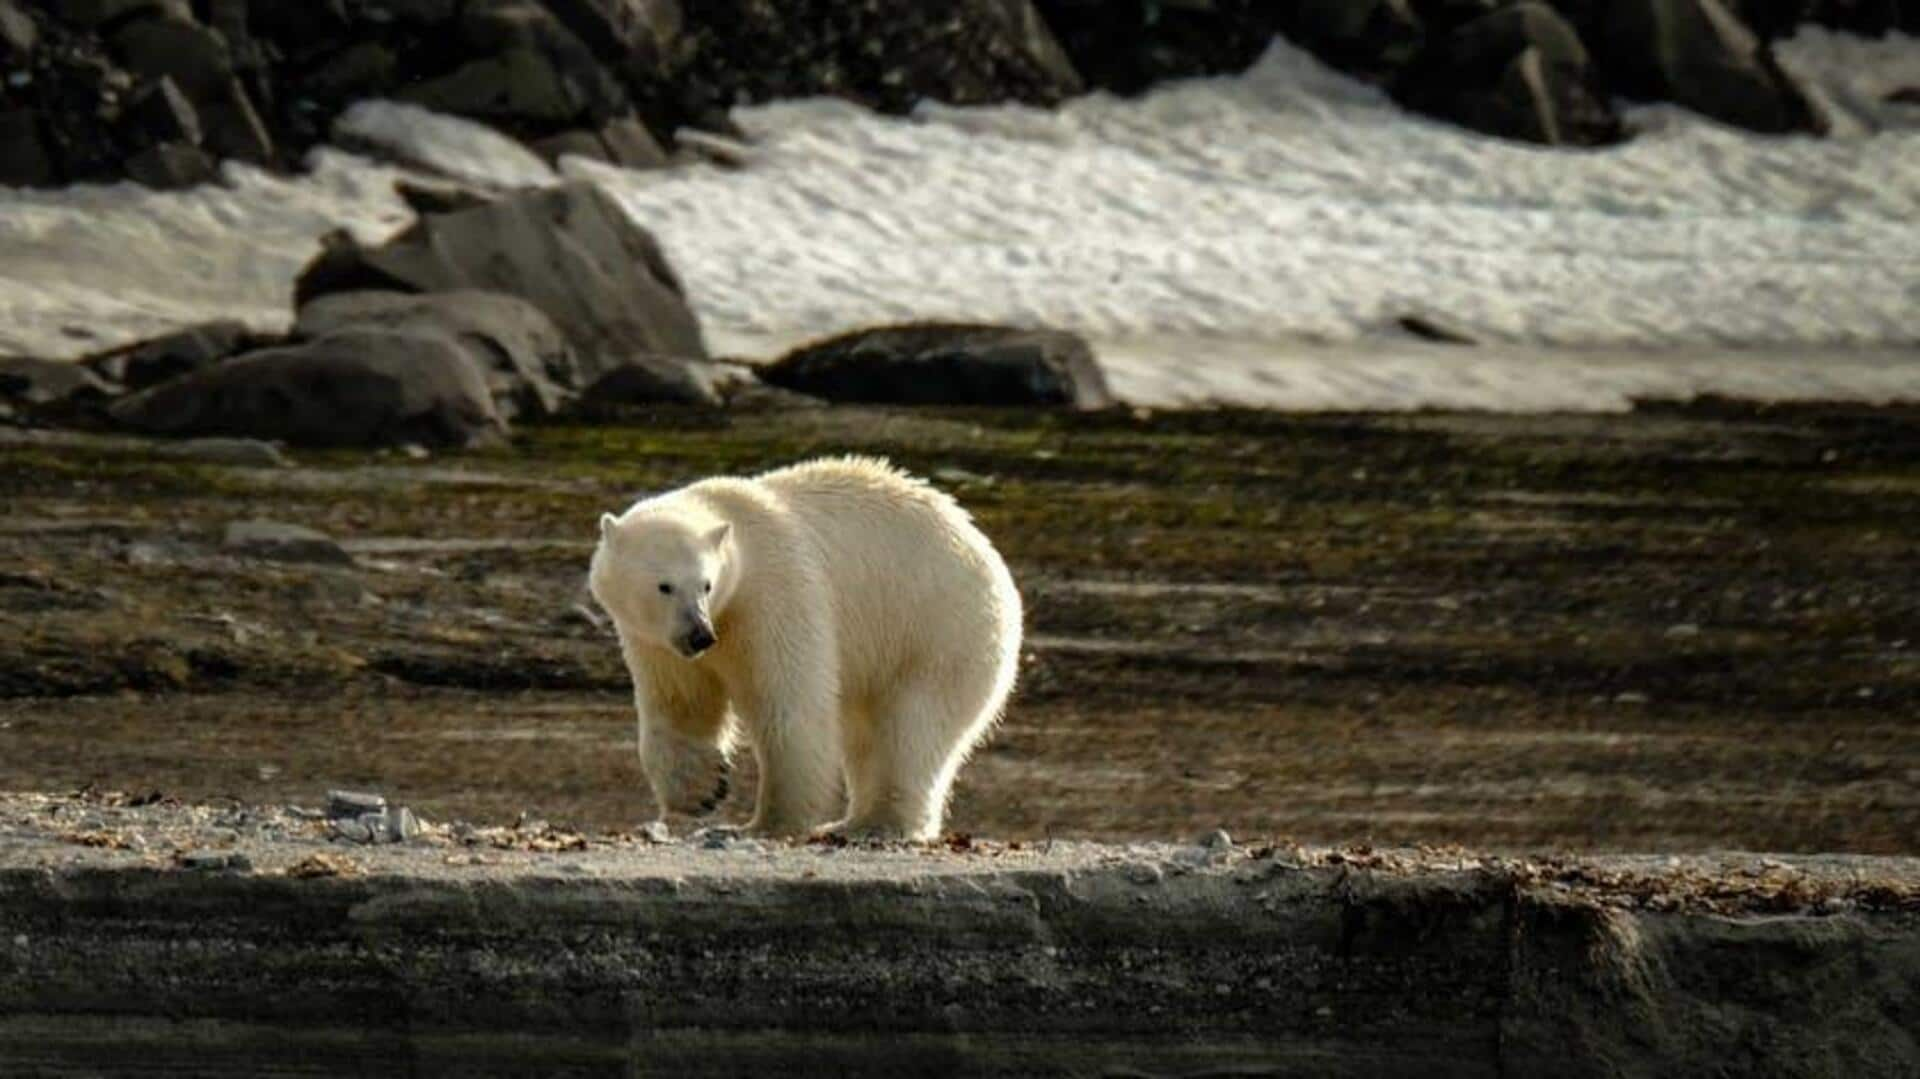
x,y
666,589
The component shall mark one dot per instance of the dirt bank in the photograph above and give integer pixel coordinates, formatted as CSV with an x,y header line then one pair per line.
x,y
238,940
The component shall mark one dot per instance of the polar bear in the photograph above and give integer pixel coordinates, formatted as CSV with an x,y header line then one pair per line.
x,y
848,619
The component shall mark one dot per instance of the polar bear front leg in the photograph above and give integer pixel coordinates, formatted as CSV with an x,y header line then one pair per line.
x,y
790,711
686,735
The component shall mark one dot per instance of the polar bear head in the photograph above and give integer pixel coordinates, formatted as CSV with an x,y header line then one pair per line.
x,y
663,578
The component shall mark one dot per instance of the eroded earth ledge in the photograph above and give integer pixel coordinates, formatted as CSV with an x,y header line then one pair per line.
x,y
232,940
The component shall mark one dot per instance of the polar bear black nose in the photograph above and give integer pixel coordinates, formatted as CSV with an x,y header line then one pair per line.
x,y
699,639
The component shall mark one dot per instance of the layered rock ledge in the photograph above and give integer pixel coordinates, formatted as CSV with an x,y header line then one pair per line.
x,y
160,938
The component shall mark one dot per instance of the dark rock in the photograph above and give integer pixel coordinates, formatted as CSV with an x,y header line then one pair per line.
x,y
887,55
753,395
570,143
531,74
233,128
157,112
88,14
1441,16
74,95
300,28
214,860
1906,95
519,87
342,266
424,12
624,141
530,366
1436,329
629,143
362,69
235,452
1356,35
1773,19
571,250
196,57
24,158
639,33
171,355
1520,72
1868,18
947,364
54,389
353,388
345,804
171,165
437,196
1128,46
277,541
18,35
1698,54
629,384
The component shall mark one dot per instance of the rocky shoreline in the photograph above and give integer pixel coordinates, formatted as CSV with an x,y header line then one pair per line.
x,y
161,90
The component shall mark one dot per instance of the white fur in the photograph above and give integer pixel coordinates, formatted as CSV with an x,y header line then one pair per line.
x,y
867,634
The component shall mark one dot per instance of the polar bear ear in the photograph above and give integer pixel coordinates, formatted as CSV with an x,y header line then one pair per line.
x,y
718,534
606,525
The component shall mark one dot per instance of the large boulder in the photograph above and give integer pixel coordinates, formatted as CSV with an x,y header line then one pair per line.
x,y
1520,72
571,251
623,141
18,35
529,365
353,388
52,391
639,36
1698,54
172,355
945,364
1128,45
1356,35
163,44
1869,18
529,74
25,159
889,54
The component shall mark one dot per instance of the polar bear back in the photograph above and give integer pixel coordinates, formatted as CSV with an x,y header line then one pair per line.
x,y
909,583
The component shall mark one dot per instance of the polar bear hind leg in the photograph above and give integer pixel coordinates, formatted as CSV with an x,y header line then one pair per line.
x,y
917,737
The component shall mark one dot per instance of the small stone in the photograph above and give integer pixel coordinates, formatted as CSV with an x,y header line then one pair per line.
x,y
1682,630
342,803
1145,873
656,832
19,940
356,831
400,825
1631,698
1437,328
214,860
240,452
1218,839
281,542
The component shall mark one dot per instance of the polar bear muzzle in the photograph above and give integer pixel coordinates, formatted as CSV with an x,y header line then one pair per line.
x,y
697,639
